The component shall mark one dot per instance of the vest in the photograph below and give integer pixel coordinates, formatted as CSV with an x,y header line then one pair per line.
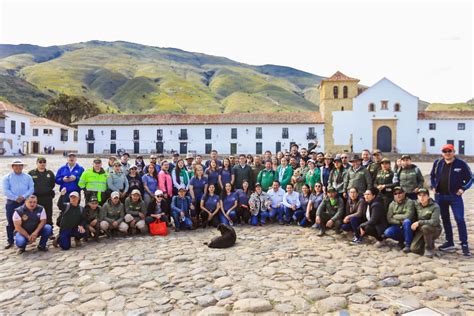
x,y
29,219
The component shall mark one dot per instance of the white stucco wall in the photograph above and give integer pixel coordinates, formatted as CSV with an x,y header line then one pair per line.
x,y
447,130
406,119
220,140
18,140
53,140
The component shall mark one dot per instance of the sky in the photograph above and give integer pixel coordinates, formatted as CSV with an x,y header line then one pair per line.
x,y
426,47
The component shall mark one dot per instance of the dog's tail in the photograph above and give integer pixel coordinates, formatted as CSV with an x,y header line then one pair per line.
x,y
206,243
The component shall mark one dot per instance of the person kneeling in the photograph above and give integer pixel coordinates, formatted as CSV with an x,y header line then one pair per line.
x,y
71,221
376,217
112,216
400,216
157,209
180,210
30,222
330,212
428,227
259,203
135,212
92,212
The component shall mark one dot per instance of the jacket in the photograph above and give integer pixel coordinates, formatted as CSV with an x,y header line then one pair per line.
x,y
336,179
356,209
265,178
165,183
359,179
258,203
385,178
64,171
410,178
117,181
335,211
378,216
286,176
428,215
135,208
93,181
460,176
398,212
111,213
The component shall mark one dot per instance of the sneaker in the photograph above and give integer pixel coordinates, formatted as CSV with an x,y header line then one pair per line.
x,y
55,242
429,253
42,248
406,249
8,246
465,251
78,242
379,244
356,240
21,250
321,233
401,244
447,247
314,226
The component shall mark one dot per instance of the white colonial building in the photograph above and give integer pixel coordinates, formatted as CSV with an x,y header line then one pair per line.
x,y
15,131
49,135
226,133
351,118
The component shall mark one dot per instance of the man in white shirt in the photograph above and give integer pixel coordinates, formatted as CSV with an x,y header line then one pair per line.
x,y
276,197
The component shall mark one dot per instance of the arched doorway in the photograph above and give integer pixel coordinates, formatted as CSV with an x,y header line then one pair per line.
x,y
384,139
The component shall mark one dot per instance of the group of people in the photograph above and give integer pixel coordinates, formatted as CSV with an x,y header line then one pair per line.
x,y
359,194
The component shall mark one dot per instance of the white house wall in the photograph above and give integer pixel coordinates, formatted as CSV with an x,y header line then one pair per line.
x,y
220,138
53,140
447,130
18,141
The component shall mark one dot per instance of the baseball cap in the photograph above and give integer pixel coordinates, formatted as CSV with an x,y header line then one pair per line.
x,y
331,189
97,160
406,157
114,194
132,166
376,151
74,193
423,191
398,189
93,199
447,147
258,184
136,191
158,192
385,160
40,158
71,154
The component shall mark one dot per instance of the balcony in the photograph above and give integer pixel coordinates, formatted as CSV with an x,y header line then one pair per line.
x,y
183,136
90,137
310,135
159,137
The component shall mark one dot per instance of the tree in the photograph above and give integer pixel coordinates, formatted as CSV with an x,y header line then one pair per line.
x,y
66,109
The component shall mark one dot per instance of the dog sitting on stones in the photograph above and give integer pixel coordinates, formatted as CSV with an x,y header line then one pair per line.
x,y
226,240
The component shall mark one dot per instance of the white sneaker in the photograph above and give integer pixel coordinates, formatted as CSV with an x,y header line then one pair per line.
x,y
379,244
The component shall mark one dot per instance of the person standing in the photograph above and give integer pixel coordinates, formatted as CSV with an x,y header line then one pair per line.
x,y
94,182
450,178
284,173
17,186
45,182
241,171
357,176
384,182
68,176
410,177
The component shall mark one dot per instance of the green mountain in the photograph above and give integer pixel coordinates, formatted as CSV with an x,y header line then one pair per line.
x,y
133,78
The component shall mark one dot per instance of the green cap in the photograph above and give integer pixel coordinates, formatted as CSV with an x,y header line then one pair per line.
x,y
331,189
423,191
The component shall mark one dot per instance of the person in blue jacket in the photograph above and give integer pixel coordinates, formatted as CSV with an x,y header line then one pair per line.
x,y
68,176
450,177
181,206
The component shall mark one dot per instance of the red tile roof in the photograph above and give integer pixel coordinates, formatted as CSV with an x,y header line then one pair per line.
x,y
42,121
446,115
8,107
188,119
339,76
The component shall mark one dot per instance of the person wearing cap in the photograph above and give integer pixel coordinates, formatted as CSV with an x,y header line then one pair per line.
x,y
210,207
139,164
336,177
330,212
266,176
384,182
400,216
450,177
291,203
92,212
17,186
135,212
325,170
375,166
68,176
124,164
29,220
181,207
355,208
357,176
410,177
71,221
134,180
313,175
44,181
94,181
189,162
112,217
117,181
427,227
376,216
276,193
158,209
259,202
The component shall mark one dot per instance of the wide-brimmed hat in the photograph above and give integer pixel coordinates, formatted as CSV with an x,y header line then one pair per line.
x,y
17,162
355,157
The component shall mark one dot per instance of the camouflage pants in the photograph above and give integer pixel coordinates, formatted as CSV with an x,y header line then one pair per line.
x,y
424,236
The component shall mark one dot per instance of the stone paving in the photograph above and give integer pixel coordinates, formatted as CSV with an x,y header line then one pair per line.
x,y
271,270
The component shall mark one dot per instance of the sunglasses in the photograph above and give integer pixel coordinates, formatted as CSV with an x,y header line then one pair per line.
x,y
42,161
447,151
159,196
344,157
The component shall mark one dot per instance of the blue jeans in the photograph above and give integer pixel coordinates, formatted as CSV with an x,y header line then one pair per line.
x,y
403,233
224,220
45,232
288,214
185,223
263,216
457,206
64,238
299,215
277,212
9,210
353,226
